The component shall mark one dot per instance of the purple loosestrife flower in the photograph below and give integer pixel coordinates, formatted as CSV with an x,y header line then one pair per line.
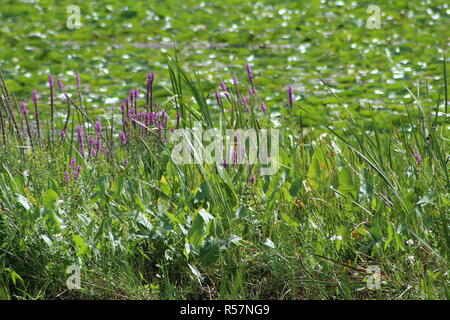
x,y
419,159
223,86
90,143
178,119
218,98
150,78
35,96
24,109
62,134
73,163
250,78
252,179
249,72
125,163
67,176
235,80
263,107
96,144
224,164
76,173
98,127
123,138
51,80
234,156
60,84
291,96
245,102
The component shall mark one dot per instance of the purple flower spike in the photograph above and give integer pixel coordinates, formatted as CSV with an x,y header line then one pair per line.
x,y
123,138
76,173
24,109
78,79
67,176
234,156
80,131
249,72
60,84
35,96
419,159
263,107
291,96
252,179
73,163
218,99
98,127
223,86
150,78
51,80
235,80
63,135
245,102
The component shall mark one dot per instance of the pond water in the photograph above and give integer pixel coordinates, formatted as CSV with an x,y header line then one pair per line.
x,y
287,43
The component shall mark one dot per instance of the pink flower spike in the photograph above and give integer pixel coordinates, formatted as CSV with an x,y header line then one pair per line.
x,y
123,138
24,109
67,176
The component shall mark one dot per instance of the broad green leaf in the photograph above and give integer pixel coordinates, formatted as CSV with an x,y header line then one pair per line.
x,y
142,220
82,247
15,276
317,172
209,252
346,184
50,199
196,232
242,212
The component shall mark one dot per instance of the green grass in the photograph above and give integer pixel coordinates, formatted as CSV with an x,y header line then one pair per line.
x,y
345,198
